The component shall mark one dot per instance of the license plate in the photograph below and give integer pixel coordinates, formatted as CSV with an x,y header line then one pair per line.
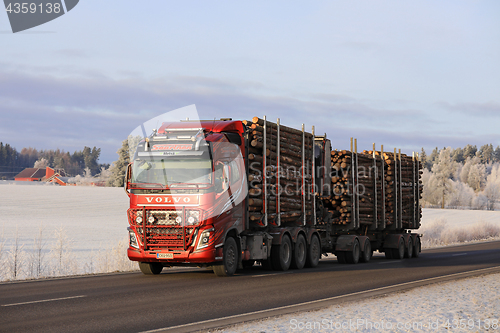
x,y
164,256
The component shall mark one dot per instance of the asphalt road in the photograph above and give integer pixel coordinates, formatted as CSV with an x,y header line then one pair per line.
x,y
176,299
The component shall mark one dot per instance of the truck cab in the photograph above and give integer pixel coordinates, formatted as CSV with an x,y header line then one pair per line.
x,y
187,188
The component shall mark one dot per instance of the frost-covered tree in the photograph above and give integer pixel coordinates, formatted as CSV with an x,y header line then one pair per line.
x,y
42,163
430,195
470,151
496,154
434,157
444,170
486,153
492,189
460,196
477,176
119,167
458,155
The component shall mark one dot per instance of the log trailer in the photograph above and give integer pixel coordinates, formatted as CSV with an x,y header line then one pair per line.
x,y
229,194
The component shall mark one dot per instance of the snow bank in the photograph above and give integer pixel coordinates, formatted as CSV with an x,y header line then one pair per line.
x,y
450,226
468,305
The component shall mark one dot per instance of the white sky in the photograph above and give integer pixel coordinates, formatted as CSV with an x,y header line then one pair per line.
x,y
399,73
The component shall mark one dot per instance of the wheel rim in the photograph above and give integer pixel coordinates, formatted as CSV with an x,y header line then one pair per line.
x,y
355,252
230,257
368,251
301,250
401,249
285,254
410,248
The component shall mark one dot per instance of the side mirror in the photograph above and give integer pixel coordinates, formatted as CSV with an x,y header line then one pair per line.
x,y
127,178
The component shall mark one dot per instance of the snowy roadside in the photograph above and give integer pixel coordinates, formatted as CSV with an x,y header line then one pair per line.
x,y
467,305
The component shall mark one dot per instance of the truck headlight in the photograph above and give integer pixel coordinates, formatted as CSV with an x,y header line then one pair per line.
x,y
204,239
133,239
138,219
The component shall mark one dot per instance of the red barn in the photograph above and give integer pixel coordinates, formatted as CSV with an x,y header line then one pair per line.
x,y
31,175
38,174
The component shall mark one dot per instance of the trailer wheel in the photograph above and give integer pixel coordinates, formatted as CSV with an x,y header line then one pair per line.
x,y
229,260
299,253
151,268
352,257
399,253
367,252
313,252
416,247
281,254
409,249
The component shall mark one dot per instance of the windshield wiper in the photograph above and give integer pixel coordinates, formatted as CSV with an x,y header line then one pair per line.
x,y
148,185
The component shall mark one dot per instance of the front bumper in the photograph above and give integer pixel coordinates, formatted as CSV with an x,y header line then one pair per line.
x,y
208,255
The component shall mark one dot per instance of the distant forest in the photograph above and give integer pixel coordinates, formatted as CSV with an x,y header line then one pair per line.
x,y
462,178
13,162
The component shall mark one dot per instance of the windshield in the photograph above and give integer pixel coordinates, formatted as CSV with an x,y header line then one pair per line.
x,y
167,171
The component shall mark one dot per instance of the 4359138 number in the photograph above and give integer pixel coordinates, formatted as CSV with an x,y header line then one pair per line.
x,y
26,7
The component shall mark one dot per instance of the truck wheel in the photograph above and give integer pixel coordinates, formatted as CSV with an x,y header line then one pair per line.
x,y
313,252
367,252
281,255
352,257
409,249
151,268
416,247
229,260
299,253
399,253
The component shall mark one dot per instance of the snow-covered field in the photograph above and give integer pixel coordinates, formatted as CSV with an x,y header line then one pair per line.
x,y
85,227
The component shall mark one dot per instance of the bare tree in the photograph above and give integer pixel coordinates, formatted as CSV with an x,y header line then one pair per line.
x,y
16,258
37,256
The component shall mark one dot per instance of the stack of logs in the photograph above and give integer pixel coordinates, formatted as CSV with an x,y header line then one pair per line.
x,y
369,178
292,176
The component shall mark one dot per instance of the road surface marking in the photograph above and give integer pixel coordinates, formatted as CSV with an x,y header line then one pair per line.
x,y
459,254
321,300
45,300
272,274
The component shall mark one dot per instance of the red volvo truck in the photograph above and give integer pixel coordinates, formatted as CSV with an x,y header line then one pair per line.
x,y
229,194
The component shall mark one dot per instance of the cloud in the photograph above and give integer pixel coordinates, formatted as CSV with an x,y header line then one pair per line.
x,y
487,109
70,112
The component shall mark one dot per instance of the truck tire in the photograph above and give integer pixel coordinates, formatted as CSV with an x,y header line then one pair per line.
x,y
281,254
299,253
416,247
150,268
313,252
352,257
399,253
367,253
229,259
409,248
